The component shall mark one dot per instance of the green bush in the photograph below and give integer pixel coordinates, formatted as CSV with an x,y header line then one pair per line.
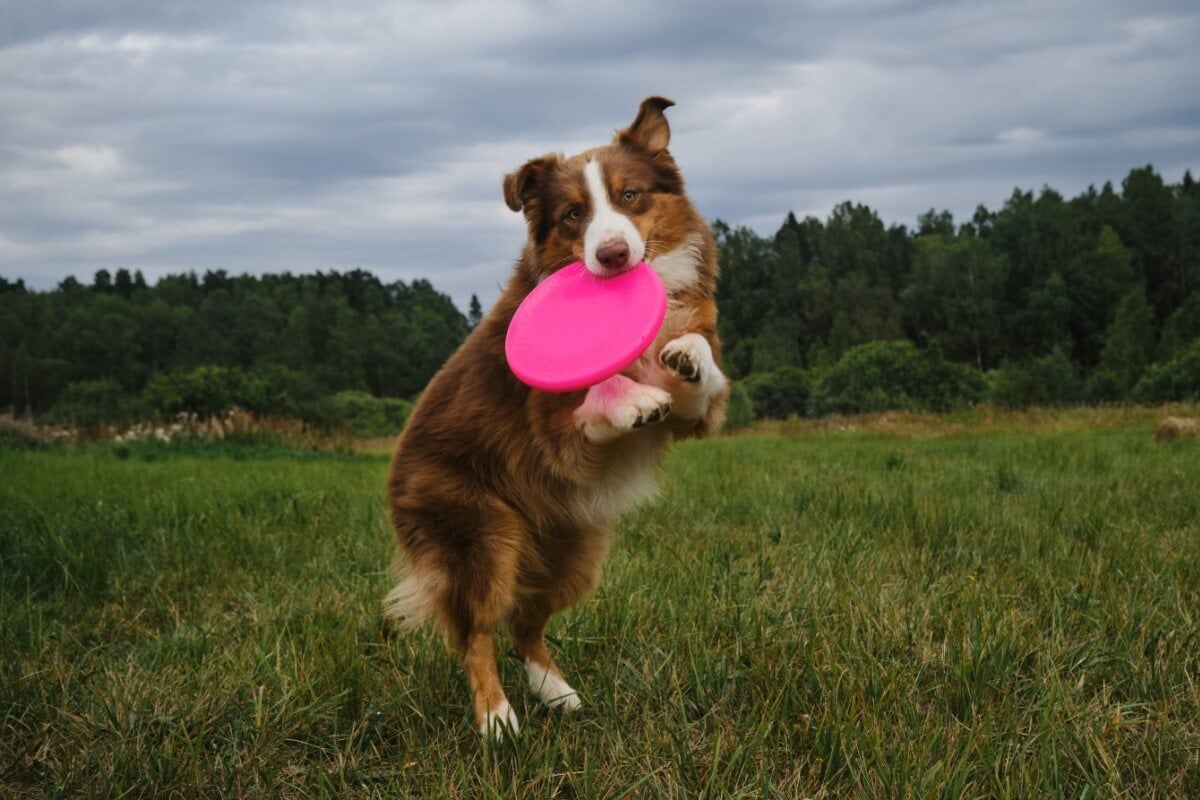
x,y
1177,380
1103,386
367,415
205,391
1051,380
881,376
779,393
209,390
88,404
279,391
739,413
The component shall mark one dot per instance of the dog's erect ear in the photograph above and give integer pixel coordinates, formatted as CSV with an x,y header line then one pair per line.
x,y
649,130
522,185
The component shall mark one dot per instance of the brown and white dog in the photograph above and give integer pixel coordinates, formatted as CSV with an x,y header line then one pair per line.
x,y
503,497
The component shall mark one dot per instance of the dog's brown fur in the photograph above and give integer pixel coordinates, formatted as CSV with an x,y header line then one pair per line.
x,y
502,507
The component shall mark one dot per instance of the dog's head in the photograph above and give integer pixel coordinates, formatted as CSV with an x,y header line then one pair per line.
x,y
609,207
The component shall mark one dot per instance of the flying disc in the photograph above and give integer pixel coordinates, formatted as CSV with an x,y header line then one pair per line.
x,y
576,329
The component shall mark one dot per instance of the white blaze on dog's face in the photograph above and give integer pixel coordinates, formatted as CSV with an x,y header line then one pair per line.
x,y
611,242
610,207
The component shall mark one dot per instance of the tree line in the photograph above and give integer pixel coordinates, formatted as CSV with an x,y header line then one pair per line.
x,y
1095,298
119,349
1046,300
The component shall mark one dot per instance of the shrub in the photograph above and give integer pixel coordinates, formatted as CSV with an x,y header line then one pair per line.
x,y
739,413
1176,380
1103,386
1049,380
881,376
277,391
367,415
88,404
208,391
779,393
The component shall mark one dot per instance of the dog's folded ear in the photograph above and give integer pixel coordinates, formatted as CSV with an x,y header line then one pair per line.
x,y
649,130
522,185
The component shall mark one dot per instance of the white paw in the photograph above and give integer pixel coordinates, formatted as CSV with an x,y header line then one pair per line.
x,y
500,722
553,690
567,702
689,357
642,405
619,405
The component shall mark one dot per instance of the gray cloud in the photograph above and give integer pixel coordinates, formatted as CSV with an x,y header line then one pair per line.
x,y
304,135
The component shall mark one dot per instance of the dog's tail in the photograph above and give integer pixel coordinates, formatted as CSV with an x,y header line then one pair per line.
x,y
412,601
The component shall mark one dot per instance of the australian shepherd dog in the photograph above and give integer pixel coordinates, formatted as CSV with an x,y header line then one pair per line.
x,y
503,497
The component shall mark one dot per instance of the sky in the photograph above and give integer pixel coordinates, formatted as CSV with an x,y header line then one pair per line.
x,y
316,135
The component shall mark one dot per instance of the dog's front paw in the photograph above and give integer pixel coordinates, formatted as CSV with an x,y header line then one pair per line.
x,y
687,357
643,405
500,723
619,405
551,688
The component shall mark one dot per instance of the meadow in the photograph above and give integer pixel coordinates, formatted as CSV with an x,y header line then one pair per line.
x,y
971,606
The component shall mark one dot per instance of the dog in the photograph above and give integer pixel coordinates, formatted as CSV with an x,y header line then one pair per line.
x,y
503,497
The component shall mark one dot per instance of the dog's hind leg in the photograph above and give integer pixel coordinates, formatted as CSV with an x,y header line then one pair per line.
x,y
493,715
479,596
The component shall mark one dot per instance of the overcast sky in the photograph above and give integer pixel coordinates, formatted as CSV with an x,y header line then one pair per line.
x,y
168,135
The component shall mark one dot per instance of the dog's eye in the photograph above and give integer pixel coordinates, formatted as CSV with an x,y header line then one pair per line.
x,y
574,213
629,195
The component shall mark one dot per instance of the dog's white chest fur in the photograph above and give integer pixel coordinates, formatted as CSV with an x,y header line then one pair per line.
x,y
628,481
680,267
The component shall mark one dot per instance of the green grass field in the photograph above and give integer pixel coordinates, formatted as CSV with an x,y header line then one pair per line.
x,y
995,611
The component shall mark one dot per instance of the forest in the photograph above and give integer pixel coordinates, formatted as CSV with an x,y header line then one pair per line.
x,y
314,347
1047,300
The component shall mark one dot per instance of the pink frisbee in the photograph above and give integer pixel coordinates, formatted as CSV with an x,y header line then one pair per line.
x,y
576,329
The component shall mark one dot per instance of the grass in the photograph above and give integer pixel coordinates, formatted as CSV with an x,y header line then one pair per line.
x,y
989,611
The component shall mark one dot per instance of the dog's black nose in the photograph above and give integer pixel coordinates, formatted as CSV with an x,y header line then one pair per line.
x,y
613,254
